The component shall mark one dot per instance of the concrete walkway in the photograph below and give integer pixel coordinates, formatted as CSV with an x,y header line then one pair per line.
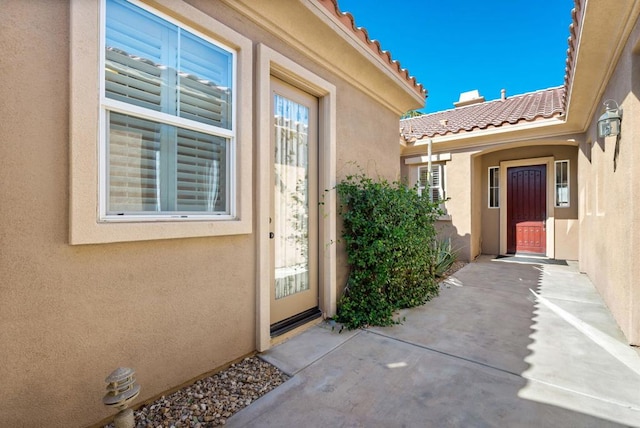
x,y
504,345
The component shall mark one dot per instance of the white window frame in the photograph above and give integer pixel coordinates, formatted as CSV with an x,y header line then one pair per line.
x,y
556,184
491,188
86,119
110,105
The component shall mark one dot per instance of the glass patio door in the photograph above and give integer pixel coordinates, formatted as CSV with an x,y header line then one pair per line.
x,y
294,202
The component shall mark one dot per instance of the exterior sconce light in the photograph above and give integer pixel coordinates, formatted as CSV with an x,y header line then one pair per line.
x,y
609,122
122,389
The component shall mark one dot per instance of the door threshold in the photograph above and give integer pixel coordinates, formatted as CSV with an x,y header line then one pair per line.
x,y
288,324
275,341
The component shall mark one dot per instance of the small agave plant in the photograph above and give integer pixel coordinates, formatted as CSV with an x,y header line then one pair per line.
x,y
445,256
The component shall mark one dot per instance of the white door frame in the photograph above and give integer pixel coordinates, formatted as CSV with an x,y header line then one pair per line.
x,y
271,63
550,220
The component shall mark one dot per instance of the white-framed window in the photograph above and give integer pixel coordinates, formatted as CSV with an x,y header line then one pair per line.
x,y
437,181
168,134
221,194
494,187
562,183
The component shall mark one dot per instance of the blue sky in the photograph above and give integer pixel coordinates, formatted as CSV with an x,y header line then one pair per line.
x,y
456,46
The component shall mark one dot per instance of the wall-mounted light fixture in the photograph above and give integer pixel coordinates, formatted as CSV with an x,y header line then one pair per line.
x,y
609,122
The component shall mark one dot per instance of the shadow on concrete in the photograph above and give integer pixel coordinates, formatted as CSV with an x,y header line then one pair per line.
x,y
579,358
483,354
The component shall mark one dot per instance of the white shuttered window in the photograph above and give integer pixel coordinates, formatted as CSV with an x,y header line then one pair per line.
x,y
169,118
437,181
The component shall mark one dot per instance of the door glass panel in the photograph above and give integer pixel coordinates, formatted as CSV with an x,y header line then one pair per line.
x,y
291,197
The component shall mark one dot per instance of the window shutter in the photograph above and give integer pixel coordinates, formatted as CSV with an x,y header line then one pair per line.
x,y
436,179
423,179
134,157
204,82
155,65
201,183
436,188
134,54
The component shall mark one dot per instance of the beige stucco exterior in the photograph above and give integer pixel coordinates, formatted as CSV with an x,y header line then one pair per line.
x,y
609,189
600,227
473,227
173,301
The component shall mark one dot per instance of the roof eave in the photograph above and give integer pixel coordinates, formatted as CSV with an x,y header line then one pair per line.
x,y
316,29
504,134
593,63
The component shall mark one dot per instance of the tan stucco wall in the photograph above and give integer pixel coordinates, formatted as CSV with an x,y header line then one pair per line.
x,y
491,216
171,309
69,315
459,184
610,198
567,239
373,149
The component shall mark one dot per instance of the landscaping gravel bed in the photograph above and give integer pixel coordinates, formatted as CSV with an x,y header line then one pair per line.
x,y
211,401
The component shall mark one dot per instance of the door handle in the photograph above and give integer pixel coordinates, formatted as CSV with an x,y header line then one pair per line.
x,y
272,235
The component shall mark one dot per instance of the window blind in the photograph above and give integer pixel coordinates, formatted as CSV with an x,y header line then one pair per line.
x,y
134,150
201,161
436,188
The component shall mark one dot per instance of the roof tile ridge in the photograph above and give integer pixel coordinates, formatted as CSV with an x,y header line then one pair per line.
x,y
537,91
577,14
374,45
510,104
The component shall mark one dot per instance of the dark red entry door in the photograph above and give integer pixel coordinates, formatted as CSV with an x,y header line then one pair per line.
x,y
527,209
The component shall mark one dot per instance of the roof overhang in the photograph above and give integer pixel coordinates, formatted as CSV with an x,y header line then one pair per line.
x,y
602,36
507,136
319,32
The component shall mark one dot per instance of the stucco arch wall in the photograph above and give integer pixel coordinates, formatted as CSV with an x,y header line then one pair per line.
x,y
566,224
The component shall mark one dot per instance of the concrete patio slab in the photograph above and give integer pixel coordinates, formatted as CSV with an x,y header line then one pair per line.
x,y
509,345
470,323
487,319
295,355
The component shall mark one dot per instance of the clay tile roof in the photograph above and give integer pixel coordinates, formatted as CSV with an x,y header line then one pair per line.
x,y
543,104
347,20
574,31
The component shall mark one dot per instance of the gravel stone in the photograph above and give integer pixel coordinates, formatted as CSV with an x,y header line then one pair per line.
x,y
211,401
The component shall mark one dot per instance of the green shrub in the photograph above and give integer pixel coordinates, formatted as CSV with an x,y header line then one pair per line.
x,y
390,241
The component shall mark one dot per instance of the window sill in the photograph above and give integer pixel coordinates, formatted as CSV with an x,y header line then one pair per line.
x,y
104,233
